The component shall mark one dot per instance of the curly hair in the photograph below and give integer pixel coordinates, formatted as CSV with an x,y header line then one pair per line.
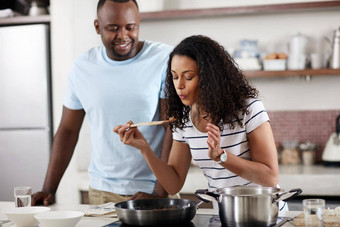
x,y
223,89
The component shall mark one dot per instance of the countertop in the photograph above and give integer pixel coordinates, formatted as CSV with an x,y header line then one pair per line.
x,y
316,180
101,221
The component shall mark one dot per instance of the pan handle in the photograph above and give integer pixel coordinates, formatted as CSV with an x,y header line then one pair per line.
x,y
288,195
208,196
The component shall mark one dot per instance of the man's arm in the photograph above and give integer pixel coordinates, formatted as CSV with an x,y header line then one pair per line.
x,y
63,146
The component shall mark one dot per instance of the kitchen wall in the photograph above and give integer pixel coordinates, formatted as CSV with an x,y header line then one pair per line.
x,y
73,33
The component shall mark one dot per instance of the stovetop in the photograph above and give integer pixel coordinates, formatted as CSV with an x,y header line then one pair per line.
x,y
200,220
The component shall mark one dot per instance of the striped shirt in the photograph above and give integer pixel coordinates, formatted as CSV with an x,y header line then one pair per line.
x,y
233,140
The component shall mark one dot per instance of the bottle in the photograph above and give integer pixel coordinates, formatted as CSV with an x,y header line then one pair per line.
x,y
335,57
36,10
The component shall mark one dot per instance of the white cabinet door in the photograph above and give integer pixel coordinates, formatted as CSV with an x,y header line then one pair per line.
x,y
24,77
24,157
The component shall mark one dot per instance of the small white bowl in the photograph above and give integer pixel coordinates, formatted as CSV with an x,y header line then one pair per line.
x,y
24,216
59,218
274,64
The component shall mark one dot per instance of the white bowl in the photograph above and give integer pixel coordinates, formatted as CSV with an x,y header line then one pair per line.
x,y
24,216
274,64
59,218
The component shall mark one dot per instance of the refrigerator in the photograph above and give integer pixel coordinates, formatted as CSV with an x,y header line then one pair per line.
x,y
25,107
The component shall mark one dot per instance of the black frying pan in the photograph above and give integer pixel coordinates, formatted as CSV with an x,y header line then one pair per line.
x,y
156,212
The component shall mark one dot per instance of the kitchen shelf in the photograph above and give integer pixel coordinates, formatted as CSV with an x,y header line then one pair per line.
x,y
287,73
228,11
19,20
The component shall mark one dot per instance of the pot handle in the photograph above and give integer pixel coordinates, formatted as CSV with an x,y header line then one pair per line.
x,y
209,196
288,195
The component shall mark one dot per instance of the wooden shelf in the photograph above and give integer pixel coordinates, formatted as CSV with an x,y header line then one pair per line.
x,y
227,11
287,73
19,20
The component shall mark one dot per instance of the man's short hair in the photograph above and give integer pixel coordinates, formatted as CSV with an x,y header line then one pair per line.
x,y
101,3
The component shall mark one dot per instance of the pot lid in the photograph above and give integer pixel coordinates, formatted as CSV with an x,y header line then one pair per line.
x,y
247,190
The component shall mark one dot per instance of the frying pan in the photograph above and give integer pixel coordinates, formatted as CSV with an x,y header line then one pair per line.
x,y
157,212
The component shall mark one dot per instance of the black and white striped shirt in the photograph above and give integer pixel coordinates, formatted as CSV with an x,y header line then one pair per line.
x,y
233,140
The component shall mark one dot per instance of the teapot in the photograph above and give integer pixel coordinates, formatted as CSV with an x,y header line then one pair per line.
x,y
335,56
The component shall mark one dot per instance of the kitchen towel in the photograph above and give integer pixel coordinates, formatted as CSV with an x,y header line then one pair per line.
x,y
102,210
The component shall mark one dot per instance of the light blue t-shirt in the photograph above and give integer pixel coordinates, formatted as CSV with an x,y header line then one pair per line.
x,y
112,93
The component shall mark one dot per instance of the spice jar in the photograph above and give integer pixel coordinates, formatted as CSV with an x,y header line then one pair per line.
x,y
308,151
290,153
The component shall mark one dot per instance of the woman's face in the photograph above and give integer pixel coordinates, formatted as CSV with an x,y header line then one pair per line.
x,y
185,78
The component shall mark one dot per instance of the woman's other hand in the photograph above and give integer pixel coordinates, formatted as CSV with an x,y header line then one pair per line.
x,y
213,141
130,136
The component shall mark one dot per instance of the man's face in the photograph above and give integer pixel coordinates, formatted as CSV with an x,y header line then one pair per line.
x,y
118,26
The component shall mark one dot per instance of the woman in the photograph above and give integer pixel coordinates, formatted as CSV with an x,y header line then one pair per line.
x,y
220,123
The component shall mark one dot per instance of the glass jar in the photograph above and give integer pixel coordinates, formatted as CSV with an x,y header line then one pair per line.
x,y
308,151
290,153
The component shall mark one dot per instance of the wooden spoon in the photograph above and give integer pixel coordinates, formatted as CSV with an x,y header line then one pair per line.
x,y
171,119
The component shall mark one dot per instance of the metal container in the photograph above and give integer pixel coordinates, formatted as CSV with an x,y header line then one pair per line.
x,y
248,205
335,57
157,212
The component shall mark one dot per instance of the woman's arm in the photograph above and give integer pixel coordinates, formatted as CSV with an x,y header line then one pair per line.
x,y
171,175
263,169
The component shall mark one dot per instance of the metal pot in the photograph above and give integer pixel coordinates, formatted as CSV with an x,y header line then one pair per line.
x,y
156,212
248,205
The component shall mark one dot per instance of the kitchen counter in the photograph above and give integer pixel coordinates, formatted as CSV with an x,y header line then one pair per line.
x,y
315,180
201,219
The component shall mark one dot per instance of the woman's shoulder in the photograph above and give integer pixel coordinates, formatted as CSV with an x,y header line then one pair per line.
x,y
254,103
255,114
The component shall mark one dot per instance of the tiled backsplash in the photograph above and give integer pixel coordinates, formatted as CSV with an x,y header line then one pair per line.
x,y
303,126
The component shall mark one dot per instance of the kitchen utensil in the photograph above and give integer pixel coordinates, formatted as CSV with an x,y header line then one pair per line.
x,y
157,212
331,153
298,45
22,196
283,221
316,61
24,216
249,205
297,62
171,119
297,52
36,9
313,210
59,218
335,56
330,219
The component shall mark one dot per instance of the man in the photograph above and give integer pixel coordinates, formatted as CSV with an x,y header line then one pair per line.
x,y
113,83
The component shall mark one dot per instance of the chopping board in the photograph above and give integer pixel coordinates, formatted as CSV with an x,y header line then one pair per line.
x,y
327,220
